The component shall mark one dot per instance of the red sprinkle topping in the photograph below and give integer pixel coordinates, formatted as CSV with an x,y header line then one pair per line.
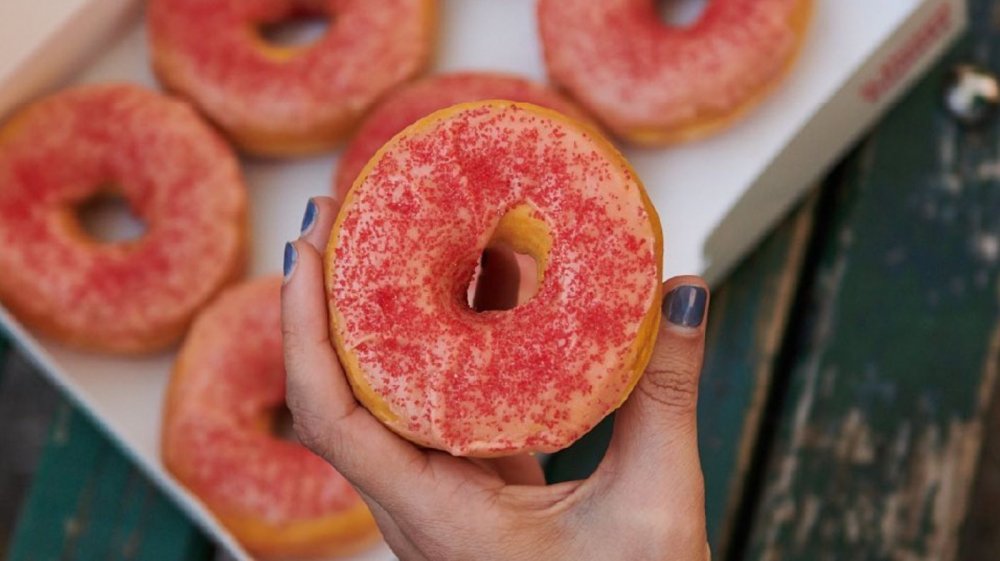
x,y
419,99
211,51
534,377
177,175
229,380
621,60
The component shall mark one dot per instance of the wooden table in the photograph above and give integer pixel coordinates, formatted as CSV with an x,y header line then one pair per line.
x,y
848,396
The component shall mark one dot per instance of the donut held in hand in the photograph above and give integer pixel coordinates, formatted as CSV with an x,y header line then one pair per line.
x,y
404,249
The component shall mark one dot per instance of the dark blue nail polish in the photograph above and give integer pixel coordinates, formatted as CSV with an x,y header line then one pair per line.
x,y
309,218
291,258
685,305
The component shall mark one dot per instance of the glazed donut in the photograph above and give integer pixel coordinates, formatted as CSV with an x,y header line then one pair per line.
x,y
403,251
176,174
653,83
419,99
276,497
282,100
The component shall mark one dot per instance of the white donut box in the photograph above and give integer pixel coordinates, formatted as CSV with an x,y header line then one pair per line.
x,y
717,198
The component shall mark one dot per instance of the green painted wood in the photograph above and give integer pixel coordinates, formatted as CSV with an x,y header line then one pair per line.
x,y
750,314
746,323
169,535
106,496
48,526
127,535
880,430
87,502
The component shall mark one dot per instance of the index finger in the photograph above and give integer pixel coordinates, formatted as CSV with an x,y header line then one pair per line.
x,y
327,417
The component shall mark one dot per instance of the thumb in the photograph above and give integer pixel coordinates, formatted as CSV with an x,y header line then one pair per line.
x,y
653,455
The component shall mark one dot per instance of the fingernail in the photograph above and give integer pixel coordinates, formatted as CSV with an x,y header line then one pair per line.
x,y
309,219
291,258
685,305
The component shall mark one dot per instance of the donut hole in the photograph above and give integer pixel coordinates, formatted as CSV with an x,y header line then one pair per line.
x,y
299,31
109,218
510,269
282,425
504,279
681,13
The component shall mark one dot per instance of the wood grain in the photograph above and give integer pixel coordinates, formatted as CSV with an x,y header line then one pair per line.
x,y
894,367
27,403
87,501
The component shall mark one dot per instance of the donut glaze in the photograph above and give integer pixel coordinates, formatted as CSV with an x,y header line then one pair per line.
x,y
279,100
653,83
176,174
404,249
276,497
419,99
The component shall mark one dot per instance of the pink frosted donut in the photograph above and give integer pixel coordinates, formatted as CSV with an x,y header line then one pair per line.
x,y
654,83
280,100
403,251
419,99
279,499
174,171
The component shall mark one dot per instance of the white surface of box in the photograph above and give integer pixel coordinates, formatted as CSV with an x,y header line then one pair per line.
x,y
724,192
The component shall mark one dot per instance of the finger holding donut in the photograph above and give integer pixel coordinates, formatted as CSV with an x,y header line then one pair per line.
x,y
430,505
317,389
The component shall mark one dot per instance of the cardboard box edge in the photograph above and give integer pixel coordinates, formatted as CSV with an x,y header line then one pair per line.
x,y
729,242
90,27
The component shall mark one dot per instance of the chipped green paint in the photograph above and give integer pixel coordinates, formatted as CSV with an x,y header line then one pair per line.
x,y
881,427
87,502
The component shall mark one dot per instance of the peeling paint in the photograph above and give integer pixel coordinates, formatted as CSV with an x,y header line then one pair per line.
x,y
854,443
988,171
881,434
987,247
807,520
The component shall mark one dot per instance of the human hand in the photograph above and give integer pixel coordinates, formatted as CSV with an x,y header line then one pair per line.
x,y
644,502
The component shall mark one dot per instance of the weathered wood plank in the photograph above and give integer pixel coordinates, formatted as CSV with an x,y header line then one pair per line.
x,y
882,423
750,313
100,515
87,502
746,325
980,538
27,405
49,524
